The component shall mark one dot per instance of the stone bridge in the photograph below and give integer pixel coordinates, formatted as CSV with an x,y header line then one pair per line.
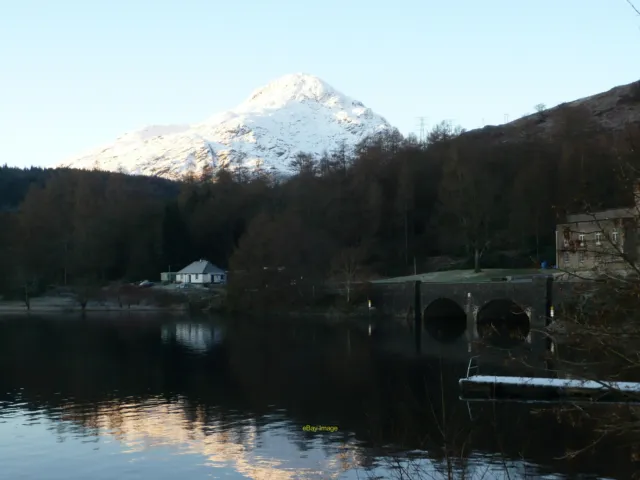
x,y
449,312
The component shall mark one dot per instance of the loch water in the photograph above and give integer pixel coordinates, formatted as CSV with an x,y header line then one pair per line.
x,y
170,397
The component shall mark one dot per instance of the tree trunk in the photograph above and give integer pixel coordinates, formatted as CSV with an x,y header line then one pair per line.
x,y
537,238
406,237
27,299
476,260
66,257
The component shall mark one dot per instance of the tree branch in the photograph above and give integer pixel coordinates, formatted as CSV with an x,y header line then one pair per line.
x,y
635,9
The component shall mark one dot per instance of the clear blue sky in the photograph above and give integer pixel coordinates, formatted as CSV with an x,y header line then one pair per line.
x,y
76,74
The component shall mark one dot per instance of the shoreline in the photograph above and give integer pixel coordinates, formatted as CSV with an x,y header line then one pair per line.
x,y
58,311
64,305
48,305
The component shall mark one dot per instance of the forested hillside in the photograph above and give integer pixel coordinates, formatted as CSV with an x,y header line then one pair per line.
x,y
15,183
394,202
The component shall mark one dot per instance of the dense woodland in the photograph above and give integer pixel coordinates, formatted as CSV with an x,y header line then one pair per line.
x,y
392,205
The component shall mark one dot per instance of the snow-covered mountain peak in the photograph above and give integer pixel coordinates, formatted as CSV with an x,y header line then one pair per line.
x,y
153,131
292,114
297,87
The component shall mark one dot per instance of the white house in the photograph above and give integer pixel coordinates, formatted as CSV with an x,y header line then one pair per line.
x,y
201,271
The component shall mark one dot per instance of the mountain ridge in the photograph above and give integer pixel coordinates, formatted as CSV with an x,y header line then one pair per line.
x,y
615,109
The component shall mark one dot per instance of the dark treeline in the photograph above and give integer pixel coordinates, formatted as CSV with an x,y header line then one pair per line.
x,y
392,205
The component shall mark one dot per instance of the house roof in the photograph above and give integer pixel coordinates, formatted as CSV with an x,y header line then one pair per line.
x,y
602,215
201,266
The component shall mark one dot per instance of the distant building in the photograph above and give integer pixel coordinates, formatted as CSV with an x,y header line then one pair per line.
x,y
168,276
597,241
200,272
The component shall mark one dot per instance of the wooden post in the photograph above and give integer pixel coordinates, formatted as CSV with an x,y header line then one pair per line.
x,y
548,306
417,316
548,299
472,326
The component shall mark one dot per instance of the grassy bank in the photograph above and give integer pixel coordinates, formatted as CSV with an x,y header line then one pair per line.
x,y
119,297
57,304
464,276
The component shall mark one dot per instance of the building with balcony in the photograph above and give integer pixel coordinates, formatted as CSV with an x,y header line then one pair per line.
x,y
600,241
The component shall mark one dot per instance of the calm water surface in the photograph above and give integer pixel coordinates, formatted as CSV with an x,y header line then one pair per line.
x,y
179,398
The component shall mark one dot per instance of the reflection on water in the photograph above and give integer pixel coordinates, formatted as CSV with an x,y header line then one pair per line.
x,y
197,337
159,398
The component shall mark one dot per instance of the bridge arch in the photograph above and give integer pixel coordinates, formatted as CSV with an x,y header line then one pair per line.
x,y
445,320
503,323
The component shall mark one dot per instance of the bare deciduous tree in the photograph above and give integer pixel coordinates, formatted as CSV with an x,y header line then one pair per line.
x,y
303,164
596,335
444,131
347,268
468,196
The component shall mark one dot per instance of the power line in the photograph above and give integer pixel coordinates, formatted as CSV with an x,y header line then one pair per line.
x,y
422,128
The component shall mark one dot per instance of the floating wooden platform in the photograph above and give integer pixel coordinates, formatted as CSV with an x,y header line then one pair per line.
x,y
488,387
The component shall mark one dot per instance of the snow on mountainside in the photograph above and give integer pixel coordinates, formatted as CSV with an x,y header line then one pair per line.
x,y
295,113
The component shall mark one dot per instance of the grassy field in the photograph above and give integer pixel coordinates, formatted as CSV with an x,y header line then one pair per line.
x,y
464,276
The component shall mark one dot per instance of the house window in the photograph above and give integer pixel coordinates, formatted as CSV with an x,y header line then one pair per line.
x,y
581,239
565,258
614,236
598,238
582,256
565,242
